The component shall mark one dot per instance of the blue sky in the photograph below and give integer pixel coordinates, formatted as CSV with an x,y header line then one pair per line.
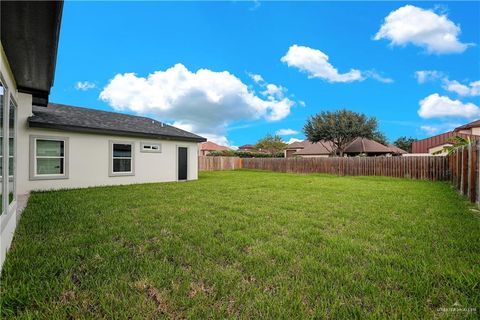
x,y
144,58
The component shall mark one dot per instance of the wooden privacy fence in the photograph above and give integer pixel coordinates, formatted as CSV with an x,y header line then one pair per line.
x,y
464,168
432,168
429,167
206,163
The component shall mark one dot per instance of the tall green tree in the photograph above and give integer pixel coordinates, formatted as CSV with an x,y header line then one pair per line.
x,y
404,143
271,144
380,138
341,128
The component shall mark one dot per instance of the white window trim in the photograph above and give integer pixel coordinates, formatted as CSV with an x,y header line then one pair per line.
x,y
110,159
143,144
5,213
33,158
12,178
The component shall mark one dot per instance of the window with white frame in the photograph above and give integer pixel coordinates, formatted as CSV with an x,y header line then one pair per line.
x,y
121,162
49,158
149,147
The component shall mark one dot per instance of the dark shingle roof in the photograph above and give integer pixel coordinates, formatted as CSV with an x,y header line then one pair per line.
x,y
396,150
69,118
364,145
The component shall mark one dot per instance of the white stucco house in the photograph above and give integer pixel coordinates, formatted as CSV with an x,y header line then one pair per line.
x,y
73,147
46,146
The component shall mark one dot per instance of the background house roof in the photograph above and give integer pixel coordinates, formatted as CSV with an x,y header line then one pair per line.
x,y
69,118
396,149
364,145
212,146
298,144
359,145
29,36
319,148
473,124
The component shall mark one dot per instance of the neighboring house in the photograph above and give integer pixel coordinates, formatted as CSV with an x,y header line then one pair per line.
x,y
51,146
313,150
295,147
472,128
247,147
436,143
205,148
368,147
359,146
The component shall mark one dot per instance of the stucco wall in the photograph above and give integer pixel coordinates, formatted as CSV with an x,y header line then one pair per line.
x,y
476,131
437,149
8,220
88,160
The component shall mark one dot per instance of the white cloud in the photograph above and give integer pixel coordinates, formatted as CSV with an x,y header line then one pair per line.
x,y
428,75
436,106
315,63
472,89
430,130
439,128
204,102
292,140
256,77
218,139
376,76
423,28
286,132
84,85
274,92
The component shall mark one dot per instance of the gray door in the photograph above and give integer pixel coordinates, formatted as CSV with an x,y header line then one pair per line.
x,y
182,163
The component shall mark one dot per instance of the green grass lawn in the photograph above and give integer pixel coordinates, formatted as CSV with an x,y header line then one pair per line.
x,y
246,244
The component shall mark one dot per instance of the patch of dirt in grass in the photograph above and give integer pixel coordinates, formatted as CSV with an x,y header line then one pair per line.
x,y
247,249
308,306
270,289
154,295
232,310
249,279
186,267
199,287
228,305
67,296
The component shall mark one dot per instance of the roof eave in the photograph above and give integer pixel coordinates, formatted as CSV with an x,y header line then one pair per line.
x,y
29,35
43,125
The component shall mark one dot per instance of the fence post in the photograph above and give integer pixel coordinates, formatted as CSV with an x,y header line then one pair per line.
x,y
470,171
465,170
